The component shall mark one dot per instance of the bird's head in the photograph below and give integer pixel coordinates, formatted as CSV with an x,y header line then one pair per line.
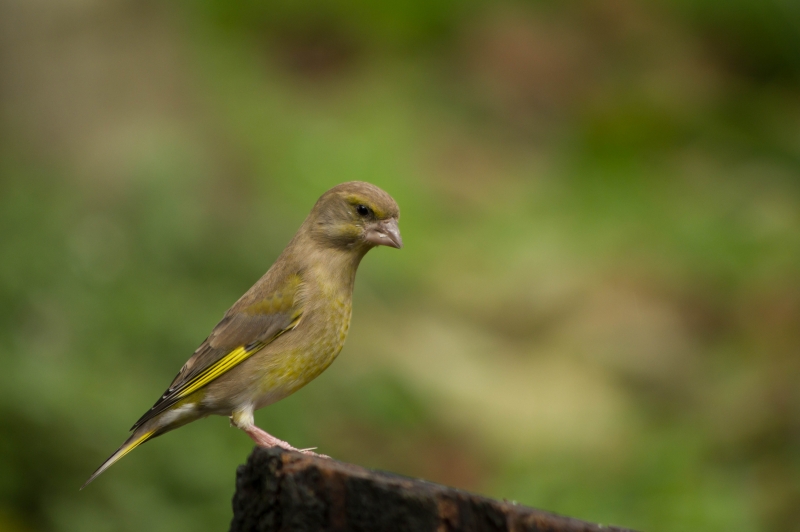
x,y
356,216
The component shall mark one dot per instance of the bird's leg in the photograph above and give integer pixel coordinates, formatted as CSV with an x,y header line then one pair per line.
x,y
263,438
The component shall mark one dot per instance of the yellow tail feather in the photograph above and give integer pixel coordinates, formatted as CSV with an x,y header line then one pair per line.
x,y
132,443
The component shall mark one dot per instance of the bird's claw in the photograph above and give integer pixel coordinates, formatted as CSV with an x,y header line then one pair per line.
x,y
310,451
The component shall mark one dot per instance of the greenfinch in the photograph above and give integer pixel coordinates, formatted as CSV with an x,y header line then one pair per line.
x,y
286,329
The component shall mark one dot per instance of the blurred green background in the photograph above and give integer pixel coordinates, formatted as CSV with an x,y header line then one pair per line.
x,y
597,311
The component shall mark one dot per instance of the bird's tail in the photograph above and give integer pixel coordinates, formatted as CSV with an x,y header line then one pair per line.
x,y
137,438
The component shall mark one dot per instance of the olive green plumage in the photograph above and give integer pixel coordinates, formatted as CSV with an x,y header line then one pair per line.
x,y
286,329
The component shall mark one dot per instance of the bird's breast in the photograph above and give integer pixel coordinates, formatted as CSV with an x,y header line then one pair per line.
x,y
327,332
308,350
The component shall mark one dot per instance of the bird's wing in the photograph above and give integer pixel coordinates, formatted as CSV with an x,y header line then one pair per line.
x,y
246,328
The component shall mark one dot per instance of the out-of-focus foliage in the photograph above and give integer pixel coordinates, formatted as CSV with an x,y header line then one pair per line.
x,y
597,311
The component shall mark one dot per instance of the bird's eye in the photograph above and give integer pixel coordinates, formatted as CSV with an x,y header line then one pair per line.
x,y
363,210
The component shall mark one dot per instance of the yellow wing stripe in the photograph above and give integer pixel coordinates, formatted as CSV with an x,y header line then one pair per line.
x,y
233,358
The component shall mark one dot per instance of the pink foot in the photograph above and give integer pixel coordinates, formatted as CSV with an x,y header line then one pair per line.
x,y
264,439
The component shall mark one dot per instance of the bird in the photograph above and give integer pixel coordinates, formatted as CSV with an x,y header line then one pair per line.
x,y
285,330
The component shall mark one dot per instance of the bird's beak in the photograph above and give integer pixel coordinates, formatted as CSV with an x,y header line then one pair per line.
x,y
384,233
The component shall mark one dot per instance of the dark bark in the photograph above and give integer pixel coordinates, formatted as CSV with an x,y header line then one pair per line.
x,y
291,492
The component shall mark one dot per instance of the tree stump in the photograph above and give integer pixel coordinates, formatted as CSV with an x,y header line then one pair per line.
x,y
280,491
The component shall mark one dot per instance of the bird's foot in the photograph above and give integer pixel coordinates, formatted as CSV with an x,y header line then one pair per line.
x,y
310,452
265,439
